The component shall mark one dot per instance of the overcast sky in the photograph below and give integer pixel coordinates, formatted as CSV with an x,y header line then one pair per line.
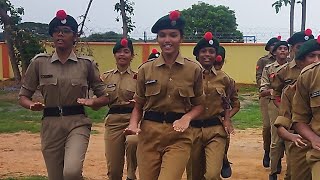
x,y
254,17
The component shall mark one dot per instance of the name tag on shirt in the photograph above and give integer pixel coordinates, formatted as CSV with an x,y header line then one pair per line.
x,y
46,76
315,94
287,81
150,82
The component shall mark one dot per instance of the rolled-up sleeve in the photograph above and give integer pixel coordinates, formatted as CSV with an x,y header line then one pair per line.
x,y
139,95
31,80
301,110
198,89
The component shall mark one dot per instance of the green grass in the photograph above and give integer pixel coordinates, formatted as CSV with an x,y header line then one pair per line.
x,y
248,117
15,118
248,89
28,178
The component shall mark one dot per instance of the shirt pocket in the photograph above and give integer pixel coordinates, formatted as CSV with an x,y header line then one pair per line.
x,y
79,82
152,89
47,84
186,94
129,92
315,102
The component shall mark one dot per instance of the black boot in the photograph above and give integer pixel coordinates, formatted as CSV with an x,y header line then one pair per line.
x,y
273,176
129,179
266,159
226,170
279,167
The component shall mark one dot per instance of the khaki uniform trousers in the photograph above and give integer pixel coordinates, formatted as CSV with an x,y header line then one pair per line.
x,y
64,143
266,134
162,153
277,147
313,159
300,169
117,146
207,153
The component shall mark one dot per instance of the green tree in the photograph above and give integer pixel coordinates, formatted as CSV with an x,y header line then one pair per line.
x,y
279,3
22,45
103,37
125,8
39,30
219,20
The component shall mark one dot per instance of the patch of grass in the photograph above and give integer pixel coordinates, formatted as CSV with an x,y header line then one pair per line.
x,y
248,89
28,178
97,116
248,117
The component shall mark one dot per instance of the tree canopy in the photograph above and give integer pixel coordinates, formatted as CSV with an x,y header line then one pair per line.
x,y
219,20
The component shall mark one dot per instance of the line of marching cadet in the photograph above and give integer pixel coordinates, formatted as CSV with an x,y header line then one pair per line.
x,y
289,99
174,114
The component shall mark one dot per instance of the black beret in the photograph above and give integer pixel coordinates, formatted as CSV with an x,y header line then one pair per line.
x,y
123,43
301,36
308,47
222,52
62,19
278,44
271,42
171,21
207,41
154,54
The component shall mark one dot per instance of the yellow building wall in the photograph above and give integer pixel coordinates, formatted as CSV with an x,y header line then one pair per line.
x,y
1,67
240,64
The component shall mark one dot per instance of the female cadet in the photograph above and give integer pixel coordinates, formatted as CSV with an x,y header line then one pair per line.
x,y
170,92
305,106
232,95
121,84
64,79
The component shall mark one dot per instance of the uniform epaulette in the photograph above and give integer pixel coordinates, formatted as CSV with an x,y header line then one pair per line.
x,y
110,71
41,55
311,66
282,67
268,65
194,61
89,58
149,60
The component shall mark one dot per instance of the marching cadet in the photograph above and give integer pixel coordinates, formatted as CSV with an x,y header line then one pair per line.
x,y
64,79
306,104
211,128
264,101
232,95
290,72
121,84
170,93
281,51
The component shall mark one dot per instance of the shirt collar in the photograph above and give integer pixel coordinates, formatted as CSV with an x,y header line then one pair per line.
x,y
72,57
292,64
128,70
213,70
160,61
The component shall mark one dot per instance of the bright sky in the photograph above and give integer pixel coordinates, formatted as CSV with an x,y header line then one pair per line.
x,y
254,17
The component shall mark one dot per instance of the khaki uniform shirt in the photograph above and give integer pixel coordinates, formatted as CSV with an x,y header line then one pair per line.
x,y
120,86
306,101
169,89
285,115
62,84
216,84
261,63
288,74
268,75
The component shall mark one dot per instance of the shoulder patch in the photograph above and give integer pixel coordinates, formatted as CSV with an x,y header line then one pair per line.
x,y
311,66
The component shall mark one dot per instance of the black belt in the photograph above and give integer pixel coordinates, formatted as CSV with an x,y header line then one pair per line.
x,y
168,117
203,123
63,111
120,110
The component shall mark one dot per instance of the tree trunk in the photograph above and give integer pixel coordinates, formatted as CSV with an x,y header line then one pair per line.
x,y
292,5
7,35
303,15
124,19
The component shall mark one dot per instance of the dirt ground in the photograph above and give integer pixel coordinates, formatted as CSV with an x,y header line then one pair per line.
x,y
20,155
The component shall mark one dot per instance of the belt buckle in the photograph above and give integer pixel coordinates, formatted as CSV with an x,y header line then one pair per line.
x,y
60,110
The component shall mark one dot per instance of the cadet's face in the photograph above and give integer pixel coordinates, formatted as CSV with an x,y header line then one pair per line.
x,y
207,56
311,58
296,47
169,40
63,37
123,56
282,52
